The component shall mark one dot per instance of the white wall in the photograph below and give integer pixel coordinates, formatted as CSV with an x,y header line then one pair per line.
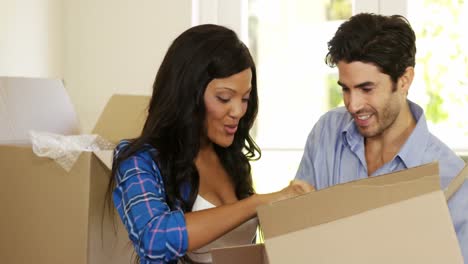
x,y
31,38
98,47
232,14
116,46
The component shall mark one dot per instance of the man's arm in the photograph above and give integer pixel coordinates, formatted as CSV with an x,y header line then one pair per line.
x,y
306,171
307,168
458,206
449,167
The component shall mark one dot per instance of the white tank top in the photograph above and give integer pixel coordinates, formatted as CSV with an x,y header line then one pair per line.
x,y
242,235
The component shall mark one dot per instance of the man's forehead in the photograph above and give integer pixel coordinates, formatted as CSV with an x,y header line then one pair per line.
x,y
356,72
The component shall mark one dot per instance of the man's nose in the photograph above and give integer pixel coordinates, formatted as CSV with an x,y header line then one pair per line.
x,y
355,102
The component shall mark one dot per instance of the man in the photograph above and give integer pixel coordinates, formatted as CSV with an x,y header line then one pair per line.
x,y
379,130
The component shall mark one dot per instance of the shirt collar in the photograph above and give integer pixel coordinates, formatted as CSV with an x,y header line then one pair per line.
x,y
410,152
409,155
351,135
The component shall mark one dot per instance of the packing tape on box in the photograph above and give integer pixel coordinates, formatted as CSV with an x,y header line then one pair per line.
x,y
65,150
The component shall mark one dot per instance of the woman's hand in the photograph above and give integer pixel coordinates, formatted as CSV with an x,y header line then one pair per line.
x,y
300,186
295,188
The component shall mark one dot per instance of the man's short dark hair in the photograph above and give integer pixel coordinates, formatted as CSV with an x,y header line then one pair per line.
x,y
385,41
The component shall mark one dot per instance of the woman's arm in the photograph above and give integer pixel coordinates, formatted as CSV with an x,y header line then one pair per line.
x,y
161,234
156,232
207,225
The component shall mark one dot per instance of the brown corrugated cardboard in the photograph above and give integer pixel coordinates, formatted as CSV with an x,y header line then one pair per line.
x,y
400,217
456,183
249,254
53,216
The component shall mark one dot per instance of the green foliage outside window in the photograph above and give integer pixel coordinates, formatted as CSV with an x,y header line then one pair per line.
x,y
338,9
445,64
335,95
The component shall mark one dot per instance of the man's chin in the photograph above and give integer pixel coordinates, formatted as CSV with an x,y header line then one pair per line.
x,y
368,132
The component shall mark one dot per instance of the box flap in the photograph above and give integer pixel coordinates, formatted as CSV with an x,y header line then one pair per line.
x,y
105,156
417,230
123,117
456,183
345,200
34,104
248,254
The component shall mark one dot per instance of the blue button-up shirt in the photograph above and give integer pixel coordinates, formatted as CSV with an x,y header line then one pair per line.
x,y
335,153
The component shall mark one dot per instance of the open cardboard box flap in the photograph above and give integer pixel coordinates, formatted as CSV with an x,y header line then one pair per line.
x,y
122,118
43,105
34,104
400,217
248,254
456,183
50,215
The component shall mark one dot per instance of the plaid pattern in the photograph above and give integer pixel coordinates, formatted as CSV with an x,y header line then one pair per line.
x,y
159,235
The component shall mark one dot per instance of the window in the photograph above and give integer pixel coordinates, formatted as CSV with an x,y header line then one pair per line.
x,y
441,72
288,40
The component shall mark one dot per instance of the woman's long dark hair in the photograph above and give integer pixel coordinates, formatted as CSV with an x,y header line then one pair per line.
x,y
176,114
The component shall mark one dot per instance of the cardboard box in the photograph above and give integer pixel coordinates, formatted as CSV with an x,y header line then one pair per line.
x,y
33,103
400,217
49,215
245,254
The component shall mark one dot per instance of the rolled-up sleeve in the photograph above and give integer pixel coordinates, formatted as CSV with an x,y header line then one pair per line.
x,y
158,233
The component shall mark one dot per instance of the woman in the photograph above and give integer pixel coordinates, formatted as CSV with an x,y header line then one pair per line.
x,y
185,182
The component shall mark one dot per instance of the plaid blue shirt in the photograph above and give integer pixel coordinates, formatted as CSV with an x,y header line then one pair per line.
x,y
158,233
